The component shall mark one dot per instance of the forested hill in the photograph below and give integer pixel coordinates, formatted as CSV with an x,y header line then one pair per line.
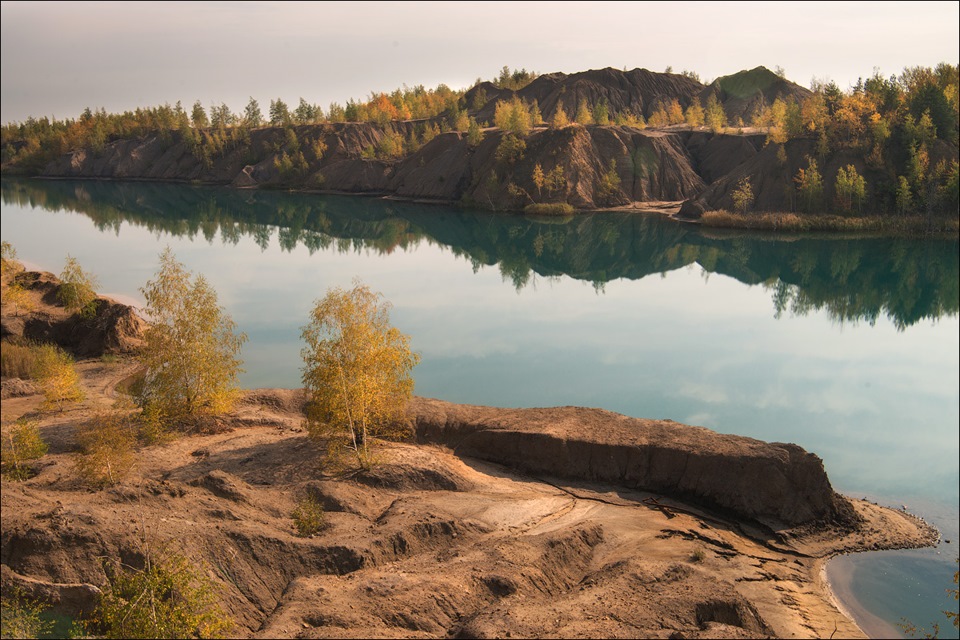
x,y
748,143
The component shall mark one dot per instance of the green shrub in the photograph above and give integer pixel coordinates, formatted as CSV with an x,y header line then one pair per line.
x,y
168,598
77,290
609,184
308,517
106,444
19,298
511,149
21,444
20,617
58,379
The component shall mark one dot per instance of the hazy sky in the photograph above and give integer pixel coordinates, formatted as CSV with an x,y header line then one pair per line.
x,y
58,58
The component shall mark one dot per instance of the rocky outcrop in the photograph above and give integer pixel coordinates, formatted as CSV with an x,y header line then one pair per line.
x,y
638,91
744,93
112,328
779,485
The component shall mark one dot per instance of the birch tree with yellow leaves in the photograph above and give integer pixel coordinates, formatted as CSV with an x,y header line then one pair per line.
x,y
191,347
357,372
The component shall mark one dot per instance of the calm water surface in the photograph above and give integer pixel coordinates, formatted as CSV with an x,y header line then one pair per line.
x,y
846,346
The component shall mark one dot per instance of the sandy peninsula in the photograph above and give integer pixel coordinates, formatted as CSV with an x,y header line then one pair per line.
x,y
561,522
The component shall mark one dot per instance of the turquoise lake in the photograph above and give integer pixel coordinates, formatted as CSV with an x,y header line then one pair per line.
x,y
847,346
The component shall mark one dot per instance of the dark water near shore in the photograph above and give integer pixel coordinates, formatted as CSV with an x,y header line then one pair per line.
x,y
846,346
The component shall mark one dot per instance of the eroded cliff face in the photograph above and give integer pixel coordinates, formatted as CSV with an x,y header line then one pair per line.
x,y
779,485
593,167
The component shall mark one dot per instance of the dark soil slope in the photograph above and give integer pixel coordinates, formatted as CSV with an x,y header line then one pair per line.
x,y
642,165
638,91
744,92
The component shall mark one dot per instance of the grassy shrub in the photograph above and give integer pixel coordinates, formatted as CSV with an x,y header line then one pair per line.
x,y
17,360
18,298
58,379
168,598
106,444
917,225
549,209
77,291
308,517
20,617
21,444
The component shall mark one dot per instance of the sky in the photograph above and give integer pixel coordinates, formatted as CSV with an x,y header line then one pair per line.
x,y
58,58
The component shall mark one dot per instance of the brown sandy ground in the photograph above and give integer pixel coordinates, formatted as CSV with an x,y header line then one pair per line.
x,y
427,544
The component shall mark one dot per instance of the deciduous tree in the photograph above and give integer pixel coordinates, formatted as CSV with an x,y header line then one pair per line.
x,y
513,117
168,598
694,114
850,188
743,195
474,133
8,254
584,114
106,444
904,196
675,112
19,298
713,114
560,118
538,177
601,112
809,186
356,371
191,346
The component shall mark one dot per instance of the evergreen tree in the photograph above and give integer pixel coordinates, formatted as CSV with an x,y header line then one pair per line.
x,y
279,113
251,114
199,116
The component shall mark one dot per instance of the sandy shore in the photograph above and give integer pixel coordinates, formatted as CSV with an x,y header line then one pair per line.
x,y
838,574
428,544
437,541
